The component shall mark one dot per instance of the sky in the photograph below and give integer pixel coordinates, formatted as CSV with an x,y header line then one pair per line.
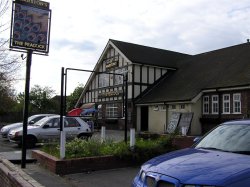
x,y
80,31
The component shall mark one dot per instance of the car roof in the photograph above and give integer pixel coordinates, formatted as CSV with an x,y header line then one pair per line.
x,y
237,122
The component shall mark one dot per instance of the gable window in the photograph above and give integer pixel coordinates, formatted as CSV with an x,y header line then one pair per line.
x,y
112,110
237,103
226,104
215,104
206,105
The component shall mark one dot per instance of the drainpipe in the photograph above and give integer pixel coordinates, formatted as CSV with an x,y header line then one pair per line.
x,y
166,122
219,105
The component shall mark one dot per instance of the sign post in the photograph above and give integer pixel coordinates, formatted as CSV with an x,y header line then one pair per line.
x,y
30,31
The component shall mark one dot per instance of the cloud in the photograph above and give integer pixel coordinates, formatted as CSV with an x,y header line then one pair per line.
x,y
80,30
79,46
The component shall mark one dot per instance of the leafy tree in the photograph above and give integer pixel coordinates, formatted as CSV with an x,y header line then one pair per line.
x,y
9,64
74,96
41,100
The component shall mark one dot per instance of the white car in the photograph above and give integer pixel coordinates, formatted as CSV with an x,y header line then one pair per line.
x,y
48,129
31,120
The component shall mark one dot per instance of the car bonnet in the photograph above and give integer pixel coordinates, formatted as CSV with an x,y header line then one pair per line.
x,y
197,166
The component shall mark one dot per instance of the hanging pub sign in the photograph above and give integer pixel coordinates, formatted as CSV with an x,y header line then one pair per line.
x,y
110,94
111,62
30,25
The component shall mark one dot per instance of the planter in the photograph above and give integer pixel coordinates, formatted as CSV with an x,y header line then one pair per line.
x,y
78,165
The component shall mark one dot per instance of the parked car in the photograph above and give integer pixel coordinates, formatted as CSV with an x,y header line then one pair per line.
x,y
31,120
48,129
221,158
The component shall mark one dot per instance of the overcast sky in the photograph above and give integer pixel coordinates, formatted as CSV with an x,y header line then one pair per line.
x,y
81,29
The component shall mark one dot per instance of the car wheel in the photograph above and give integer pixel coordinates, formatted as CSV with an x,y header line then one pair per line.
x,y
31,141
83,136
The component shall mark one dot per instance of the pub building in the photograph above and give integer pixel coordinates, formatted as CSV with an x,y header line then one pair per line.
x,y
168,90
144,67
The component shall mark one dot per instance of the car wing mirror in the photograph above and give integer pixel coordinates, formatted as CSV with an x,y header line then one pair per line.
x,y
31,122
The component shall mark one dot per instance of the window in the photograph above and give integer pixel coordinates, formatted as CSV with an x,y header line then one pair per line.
x,y
226,104
182,106
163,107
103,80
71,122
236,103
112,110
53,123
206,105
215,104
156,108
173,107
119,78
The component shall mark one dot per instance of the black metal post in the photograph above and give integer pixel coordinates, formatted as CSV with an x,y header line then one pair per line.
x,y
126,108
65,93
26,107
62,100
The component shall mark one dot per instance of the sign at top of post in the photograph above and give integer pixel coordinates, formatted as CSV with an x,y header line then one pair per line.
x,y
30,25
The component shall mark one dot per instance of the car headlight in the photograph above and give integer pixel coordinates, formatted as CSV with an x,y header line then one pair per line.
x,y
4,129
142,175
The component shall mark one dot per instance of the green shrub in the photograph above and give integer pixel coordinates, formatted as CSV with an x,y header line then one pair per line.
x,y
143,150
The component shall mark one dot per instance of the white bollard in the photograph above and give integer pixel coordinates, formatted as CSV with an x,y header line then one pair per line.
x,y
62,144
132,137
103,133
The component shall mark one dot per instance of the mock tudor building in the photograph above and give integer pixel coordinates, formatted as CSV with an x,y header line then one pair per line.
x,y
170,91
144,65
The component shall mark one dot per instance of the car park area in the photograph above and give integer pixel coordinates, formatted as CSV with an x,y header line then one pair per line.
x,y
104,178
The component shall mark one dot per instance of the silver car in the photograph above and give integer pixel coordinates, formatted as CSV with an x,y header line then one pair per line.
x,y
31,120
48,129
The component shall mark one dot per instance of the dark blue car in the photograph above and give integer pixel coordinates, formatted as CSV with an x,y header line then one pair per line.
x,y
219,159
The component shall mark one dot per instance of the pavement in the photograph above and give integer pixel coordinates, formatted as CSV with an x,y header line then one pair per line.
x,y
121,177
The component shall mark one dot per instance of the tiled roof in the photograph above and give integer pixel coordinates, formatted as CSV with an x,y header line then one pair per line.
x,y
223,68
149,55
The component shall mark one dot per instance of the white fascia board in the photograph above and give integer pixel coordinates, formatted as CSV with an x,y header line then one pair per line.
x,y
150,104
235,88
197,97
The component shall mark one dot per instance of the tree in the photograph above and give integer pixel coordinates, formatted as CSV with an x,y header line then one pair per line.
x,y
41,100
73,97
9,64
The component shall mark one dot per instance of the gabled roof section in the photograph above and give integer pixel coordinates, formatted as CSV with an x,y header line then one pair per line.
x,y
224,68
149,55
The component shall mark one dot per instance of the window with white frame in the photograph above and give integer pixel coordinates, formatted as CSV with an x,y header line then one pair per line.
x,y
215,104
226,104
182,106
206,105
118,78
103,80
112,110
237,103
163,107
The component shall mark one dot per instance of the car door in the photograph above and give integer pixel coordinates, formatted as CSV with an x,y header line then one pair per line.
x,y
50,130
71,127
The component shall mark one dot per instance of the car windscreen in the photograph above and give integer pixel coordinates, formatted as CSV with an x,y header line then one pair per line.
x,y
230,138
41,121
